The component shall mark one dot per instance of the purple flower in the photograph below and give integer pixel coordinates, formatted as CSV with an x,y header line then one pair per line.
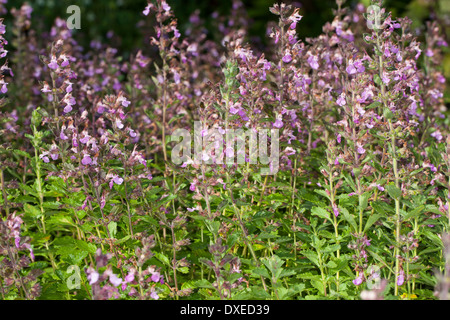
x,y
287,58
92,276
278,123
235,108
341,100
155,277
154,295
165,6
68,108
355,67
115,281
313,62
335,210
53,64
401,278
359,148
86,160
147,9
45,159
358,280
437,135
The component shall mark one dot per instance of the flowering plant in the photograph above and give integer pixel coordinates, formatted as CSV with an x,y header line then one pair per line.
x,y
353,202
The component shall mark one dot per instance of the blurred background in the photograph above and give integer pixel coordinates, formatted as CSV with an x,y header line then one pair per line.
x,y
99,17
123,16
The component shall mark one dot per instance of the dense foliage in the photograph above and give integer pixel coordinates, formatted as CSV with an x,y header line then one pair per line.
x,y
93,205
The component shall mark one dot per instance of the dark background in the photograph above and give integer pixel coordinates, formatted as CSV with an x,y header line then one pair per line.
x,y
100,16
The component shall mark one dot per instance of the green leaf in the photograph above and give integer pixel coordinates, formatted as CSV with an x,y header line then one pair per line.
x,y
203,284
381,207
274,264
112,227
183,270
373,105
394,192
363,201
312,256
162,258
322,213
32,211
372,219
123,239
415,212
380,259
264,214
261,272
61,220
322,193
350,219
331,248
85,246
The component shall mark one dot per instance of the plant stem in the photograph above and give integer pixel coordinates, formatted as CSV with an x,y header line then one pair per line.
x,y
5,197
